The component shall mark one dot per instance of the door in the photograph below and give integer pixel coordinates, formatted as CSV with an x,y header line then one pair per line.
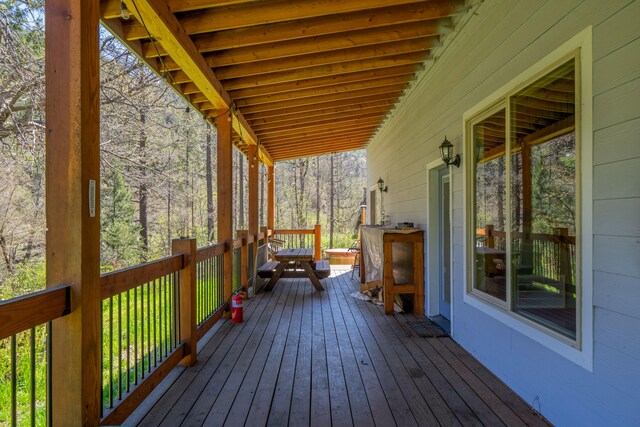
x,y
373,207
444,242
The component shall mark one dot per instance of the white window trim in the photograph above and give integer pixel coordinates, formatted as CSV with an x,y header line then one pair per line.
x,y
581,353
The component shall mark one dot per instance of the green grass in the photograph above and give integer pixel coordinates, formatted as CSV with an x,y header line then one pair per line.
x,y
123,340
23,375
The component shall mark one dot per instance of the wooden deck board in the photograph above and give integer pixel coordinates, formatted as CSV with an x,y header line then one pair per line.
x,y
304,357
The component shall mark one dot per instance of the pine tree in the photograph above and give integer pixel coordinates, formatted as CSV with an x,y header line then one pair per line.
x,y
120,245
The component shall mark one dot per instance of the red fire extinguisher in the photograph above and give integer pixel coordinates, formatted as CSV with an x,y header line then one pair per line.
x,y
236,308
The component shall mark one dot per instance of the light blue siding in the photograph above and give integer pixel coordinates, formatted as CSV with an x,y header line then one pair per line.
x,y
501,40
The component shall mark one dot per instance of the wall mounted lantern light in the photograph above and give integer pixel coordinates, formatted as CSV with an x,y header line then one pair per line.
x,y
381,186
446,153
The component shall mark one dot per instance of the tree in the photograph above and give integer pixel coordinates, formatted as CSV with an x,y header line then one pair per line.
x,y
119,245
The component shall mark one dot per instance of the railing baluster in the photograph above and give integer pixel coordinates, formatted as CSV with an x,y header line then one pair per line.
x,y
111,352
14,398
33,376
135,333
155,326
128,316
120,347
148,355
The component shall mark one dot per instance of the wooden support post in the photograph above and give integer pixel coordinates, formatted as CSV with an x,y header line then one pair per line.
x,y
526,249
387,276
418,275
73,206
254,200
188,326
317,241
491,238
225,197
265,230
564,262
271,198
244,259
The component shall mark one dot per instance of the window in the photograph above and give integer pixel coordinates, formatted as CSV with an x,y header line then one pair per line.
x,y
524,207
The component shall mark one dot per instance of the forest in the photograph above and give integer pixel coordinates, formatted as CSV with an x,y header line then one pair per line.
x,y
158,164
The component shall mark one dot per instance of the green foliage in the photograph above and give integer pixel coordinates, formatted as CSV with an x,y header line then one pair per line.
x,y
120,246
28,277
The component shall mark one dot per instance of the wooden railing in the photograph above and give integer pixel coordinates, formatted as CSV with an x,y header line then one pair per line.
x,y
176,301
551,255
25,340
153,316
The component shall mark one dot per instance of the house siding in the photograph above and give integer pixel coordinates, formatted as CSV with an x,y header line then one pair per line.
x,y
502,39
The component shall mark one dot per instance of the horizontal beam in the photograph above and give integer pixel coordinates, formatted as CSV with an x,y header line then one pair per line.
x,y
411,58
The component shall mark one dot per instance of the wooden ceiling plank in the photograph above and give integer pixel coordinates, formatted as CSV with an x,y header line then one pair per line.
x,y
322,140
326,43
312,152
295,114
111,8
274,144
263,13
164,26
335,116
302,29
324,131
356,120
408,71
322,95
325,58
324,102
412,58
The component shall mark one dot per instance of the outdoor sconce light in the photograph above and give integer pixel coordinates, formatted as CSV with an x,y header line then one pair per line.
x,y
126,15
446,153
381,186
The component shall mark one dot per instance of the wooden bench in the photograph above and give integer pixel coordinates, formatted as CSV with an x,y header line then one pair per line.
x,y
323,269
268,269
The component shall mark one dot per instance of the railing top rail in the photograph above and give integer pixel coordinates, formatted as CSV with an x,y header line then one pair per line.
x,y
237,243
120,281
555,238
211,251
27,311
307,231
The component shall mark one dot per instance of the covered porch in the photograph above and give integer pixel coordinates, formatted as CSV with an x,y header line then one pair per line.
x,y
149,344
324,358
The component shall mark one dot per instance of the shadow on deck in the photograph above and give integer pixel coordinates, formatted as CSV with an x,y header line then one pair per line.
x,y
324,358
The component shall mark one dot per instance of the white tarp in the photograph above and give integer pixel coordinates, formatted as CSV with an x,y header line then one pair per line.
x,y
373,258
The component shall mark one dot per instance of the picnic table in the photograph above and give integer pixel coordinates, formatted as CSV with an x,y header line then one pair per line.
x,y
291,259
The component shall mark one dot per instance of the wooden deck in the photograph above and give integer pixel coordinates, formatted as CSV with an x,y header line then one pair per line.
x,y
304,357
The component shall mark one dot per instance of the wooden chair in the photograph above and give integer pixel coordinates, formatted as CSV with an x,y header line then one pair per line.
x,y
356,259
274,245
